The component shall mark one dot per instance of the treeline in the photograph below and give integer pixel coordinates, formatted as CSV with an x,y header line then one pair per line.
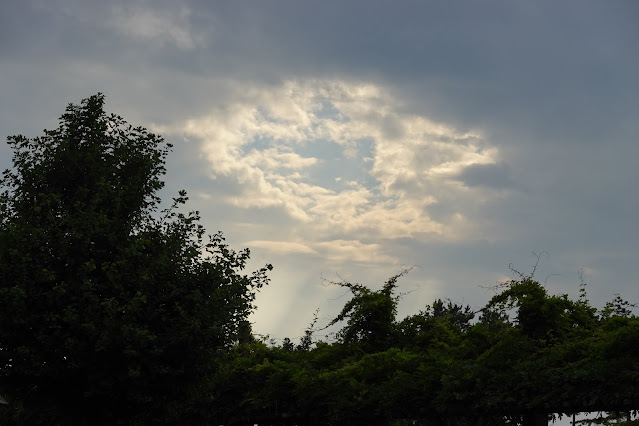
x,y
523,357
114,310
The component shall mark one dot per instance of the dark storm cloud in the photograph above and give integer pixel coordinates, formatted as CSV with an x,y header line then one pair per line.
x,y
561,70
564,57
555,68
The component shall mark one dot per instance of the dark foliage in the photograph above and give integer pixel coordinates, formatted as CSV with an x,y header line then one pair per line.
x,y
440,368
110,312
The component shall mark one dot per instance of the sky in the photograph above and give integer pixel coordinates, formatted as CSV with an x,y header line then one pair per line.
x,y
349,140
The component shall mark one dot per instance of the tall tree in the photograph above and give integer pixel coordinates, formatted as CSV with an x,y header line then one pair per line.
x,y
110,311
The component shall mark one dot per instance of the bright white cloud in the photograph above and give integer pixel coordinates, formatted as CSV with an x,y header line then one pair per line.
x,y
344,160
274,159
354,251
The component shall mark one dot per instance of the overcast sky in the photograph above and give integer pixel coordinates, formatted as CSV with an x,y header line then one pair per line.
x,y
348,139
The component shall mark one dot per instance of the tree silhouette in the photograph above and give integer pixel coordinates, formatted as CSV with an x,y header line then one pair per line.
x,y
110,311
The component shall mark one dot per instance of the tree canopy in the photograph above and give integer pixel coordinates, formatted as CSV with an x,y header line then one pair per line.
x,y
524,356
110,310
